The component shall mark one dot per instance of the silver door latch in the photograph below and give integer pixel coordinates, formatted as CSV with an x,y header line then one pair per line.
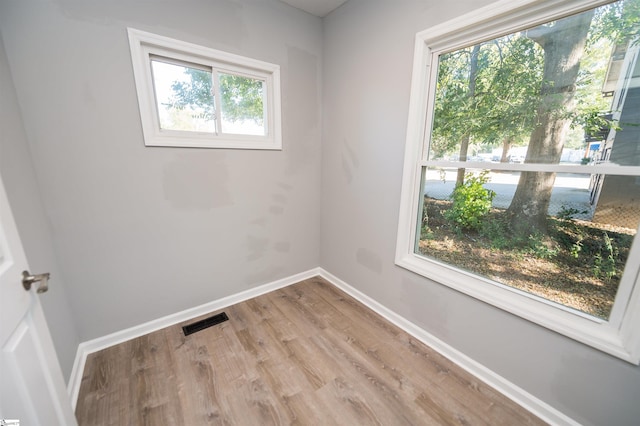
x,y
28,279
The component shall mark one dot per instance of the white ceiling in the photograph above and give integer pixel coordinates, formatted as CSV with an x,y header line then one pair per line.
x,y
319,8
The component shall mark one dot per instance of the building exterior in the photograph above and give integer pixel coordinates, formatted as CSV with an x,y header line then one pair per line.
x,y
617,198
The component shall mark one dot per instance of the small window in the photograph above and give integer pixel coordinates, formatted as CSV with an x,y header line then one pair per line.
x,y
193,96
522,169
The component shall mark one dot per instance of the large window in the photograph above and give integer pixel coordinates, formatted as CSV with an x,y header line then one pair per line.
x,y
194,96
522,170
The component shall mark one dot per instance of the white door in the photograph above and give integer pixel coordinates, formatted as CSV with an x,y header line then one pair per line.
x,y
32,388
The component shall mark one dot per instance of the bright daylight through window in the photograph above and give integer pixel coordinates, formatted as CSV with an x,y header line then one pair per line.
x,y
194,96
522,173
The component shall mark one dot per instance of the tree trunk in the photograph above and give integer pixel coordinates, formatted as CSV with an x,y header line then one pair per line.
x,y
563,45
507,143
464,143
464,148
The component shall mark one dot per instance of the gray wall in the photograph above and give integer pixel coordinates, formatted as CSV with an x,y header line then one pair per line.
x,y
20,181
145,232
367,71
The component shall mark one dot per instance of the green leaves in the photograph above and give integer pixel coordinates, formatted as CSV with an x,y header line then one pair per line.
x,y
487,92
196,94
471,202
241,97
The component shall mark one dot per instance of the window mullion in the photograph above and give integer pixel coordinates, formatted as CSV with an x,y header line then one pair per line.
x,y
265,112
604,168
217,101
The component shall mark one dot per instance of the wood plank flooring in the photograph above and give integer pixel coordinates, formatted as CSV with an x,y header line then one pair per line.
x,y
307,354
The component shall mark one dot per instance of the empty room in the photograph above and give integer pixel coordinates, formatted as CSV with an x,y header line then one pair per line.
x,y
319,212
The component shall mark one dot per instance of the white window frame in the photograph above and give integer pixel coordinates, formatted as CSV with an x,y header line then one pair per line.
x,y
620,336
144,45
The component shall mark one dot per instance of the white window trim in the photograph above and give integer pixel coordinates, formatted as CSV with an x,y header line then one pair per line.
x,y
619,337
143,44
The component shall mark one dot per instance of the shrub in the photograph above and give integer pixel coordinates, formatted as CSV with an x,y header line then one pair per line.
x,y
496,231
606,266
471,202
541,247
568,214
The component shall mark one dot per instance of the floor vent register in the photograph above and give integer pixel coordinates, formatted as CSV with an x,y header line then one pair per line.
x,y
205,323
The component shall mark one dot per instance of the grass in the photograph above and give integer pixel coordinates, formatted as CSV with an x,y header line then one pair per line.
x,y
578,264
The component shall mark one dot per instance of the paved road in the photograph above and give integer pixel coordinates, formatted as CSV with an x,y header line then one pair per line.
x,y
569,191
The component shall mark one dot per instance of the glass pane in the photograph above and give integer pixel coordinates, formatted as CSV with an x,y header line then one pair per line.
x,y
242,101
576,258
567,91
184,97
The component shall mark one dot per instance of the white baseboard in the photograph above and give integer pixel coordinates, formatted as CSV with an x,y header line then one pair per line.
x,y
515,393
91,346
510,390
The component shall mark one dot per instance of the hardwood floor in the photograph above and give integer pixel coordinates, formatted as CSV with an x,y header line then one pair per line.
x,y
307,354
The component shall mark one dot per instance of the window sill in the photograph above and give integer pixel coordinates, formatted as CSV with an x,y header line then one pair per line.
x,y
217,142
574,324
